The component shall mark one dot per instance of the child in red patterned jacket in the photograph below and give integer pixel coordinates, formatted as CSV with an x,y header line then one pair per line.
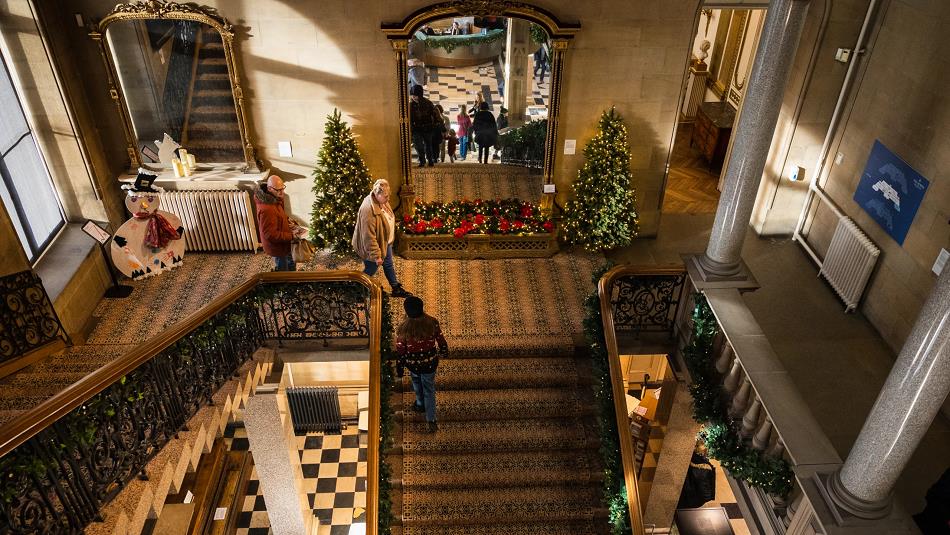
x,y
419,344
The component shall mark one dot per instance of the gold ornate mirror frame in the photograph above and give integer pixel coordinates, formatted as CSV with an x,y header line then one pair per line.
x,y
399,34
163,9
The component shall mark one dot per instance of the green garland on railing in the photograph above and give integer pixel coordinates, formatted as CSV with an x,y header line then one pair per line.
x,y
451,42
771,474
615,486
387,382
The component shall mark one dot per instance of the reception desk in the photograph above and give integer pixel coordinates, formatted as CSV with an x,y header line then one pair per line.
x,y
462,50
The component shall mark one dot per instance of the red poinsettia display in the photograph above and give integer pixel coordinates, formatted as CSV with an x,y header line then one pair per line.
x,y
458,218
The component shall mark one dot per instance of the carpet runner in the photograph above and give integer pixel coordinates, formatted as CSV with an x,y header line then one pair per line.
x,y
516,450
212,132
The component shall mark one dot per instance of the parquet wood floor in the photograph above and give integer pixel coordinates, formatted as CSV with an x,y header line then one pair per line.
x,y
690,185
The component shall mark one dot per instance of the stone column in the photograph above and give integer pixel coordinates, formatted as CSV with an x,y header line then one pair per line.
x,y
516,70
752,138
913,393
271,438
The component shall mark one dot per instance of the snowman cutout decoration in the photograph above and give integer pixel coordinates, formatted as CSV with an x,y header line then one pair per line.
x,y
152,240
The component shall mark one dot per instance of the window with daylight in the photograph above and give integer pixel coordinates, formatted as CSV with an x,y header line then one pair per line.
x,y
26,187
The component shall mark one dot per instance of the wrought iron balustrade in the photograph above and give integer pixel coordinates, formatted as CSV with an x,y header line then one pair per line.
x,y
27,318
646,303
63,461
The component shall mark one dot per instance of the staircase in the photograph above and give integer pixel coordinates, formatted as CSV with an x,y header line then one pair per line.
x,y
211,131
516,451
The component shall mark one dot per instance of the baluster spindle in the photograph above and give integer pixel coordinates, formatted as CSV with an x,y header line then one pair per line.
x,y
731,381
778,449
741,399
763,436
751,419
725,357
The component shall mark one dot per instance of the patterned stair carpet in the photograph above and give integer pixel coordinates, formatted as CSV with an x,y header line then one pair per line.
x,y
212,132
453,181
515,451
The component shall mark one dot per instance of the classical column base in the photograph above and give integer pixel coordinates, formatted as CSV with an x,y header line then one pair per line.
x,y
705,275
843,499
407,200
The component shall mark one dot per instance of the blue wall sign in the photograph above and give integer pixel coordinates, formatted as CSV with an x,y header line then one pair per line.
x,y
890,191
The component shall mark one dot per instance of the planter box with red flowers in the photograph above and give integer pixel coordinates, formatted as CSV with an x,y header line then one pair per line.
x,y
500,228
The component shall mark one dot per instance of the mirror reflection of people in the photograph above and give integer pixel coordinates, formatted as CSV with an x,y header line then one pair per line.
x,y
277,230
424,121
374,235
419,344
456,29
540,62
465,128
452,142
486,132
418,75
441,135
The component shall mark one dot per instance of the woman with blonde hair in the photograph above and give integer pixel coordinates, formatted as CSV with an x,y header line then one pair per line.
x,y
374,235
419,343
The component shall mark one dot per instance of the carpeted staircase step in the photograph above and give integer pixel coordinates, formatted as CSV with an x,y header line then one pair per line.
x,y
455,405
481,373
555,528
534,504
499,435
510,469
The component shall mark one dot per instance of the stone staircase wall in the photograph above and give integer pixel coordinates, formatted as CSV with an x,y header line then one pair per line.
x,y
142,499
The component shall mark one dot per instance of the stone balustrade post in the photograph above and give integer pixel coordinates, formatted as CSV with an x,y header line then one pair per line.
x,y
751,419
731,382
725,358
741,399
763,436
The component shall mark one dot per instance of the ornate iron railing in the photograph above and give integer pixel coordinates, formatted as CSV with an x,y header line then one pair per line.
x,y
27,318
63,461
647,298
646,303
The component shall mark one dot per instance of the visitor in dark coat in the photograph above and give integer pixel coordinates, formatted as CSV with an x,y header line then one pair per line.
x,y
486,132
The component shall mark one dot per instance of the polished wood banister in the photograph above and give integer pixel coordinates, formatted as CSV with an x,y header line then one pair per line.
x,y
33,421
616,379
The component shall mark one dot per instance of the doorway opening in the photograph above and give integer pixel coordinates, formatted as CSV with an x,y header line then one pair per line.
x,y
721,55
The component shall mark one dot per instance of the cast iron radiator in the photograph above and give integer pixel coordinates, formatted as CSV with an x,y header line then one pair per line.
x,y
315,408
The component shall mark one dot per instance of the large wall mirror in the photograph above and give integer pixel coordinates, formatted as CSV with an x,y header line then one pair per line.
x,y
172,70
503,57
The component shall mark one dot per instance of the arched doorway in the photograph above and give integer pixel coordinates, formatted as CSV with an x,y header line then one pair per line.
x,y
401,34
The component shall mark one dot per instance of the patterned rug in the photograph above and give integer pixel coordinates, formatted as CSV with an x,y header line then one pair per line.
x,y
467,297
448,182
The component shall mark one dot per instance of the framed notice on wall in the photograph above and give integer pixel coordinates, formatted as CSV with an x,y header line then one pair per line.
x,y
890,191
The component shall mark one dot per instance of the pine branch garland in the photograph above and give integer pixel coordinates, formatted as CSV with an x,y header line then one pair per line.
x,y
603,214
341,180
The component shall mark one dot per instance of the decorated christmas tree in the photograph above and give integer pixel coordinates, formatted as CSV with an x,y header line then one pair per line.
x,y
603,214
341,180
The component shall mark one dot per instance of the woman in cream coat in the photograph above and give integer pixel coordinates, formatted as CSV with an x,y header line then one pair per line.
x,y
374,235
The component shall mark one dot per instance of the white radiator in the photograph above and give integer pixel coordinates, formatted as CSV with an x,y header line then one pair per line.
x,y
849,262
214,220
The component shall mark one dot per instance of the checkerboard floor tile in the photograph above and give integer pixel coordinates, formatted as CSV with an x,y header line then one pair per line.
x,y
334,471
453,86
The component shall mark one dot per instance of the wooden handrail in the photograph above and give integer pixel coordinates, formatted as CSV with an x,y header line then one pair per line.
x,y
616,380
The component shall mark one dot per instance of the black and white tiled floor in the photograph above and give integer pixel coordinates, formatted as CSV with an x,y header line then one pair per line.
x,y
453,86
334,471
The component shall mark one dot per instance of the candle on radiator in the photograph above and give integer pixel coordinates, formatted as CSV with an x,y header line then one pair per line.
x,y
178,168
191,162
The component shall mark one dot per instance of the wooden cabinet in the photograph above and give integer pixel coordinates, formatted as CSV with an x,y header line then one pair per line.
x,y
711,131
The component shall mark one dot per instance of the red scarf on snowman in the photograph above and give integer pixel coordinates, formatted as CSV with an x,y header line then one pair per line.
x,y
158,231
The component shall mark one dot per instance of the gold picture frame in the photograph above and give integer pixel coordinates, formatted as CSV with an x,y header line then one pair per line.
x,y
163,9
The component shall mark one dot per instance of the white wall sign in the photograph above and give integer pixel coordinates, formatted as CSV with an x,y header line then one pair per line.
x,y
96,232
549,188
941,261
284,149
570,145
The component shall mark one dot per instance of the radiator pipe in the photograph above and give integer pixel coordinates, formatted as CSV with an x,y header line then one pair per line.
x,y
814,186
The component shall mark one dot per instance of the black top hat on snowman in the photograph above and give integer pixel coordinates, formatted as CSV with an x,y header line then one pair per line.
x,y
143,183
